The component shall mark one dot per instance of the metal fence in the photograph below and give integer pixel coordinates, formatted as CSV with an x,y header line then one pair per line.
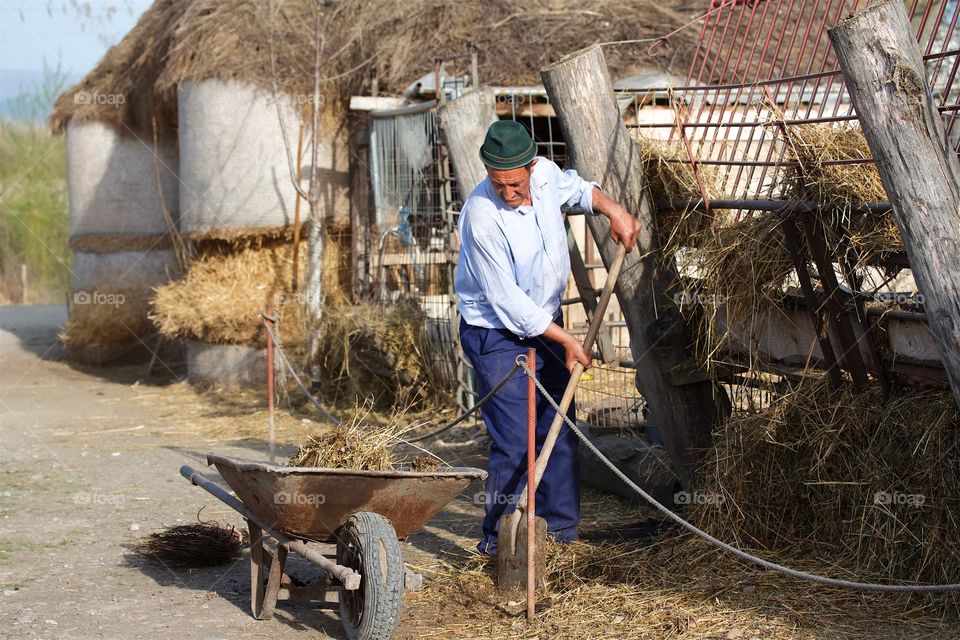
x,y
411,245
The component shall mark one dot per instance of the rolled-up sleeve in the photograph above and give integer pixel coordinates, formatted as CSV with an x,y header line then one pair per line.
x,y
488,258
574,190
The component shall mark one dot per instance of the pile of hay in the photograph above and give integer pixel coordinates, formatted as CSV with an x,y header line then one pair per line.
x,y
671,177
738,273
818,178
675,586
380,352
353,447
868,481
204,544
360,443
99,332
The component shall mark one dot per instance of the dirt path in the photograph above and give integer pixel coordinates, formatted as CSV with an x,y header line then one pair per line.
x,y
88,465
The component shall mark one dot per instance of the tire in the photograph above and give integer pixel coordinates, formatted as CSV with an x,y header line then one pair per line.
x,y
367,543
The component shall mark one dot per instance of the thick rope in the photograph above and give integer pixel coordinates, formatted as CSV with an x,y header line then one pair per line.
x,y
802,575
470,411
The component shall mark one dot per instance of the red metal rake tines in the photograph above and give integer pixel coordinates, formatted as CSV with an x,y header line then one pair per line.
x,y
763,67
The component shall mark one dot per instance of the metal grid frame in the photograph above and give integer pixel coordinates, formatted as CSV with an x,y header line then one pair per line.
x,y
762,68
410,242
751,80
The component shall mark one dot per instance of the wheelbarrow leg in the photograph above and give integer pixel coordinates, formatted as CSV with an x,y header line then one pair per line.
x,y
274,582
263,597
256,569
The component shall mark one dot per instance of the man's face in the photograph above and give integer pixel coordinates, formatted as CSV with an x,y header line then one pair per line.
x,y
512,185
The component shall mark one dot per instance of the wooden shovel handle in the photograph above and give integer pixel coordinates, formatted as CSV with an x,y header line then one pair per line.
x,y
571,389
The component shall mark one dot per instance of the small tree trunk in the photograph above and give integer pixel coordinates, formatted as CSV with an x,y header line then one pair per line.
x,y
317,233
600,148
884,72
464,123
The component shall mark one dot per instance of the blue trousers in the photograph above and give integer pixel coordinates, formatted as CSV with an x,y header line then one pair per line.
x,y
493,352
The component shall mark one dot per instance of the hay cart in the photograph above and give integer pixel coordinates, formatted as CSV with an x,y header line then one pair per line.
x,y
308,510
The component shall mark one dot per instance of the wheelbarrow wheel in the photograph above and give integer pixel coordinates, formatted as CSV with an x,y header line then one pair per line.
x,y
367,543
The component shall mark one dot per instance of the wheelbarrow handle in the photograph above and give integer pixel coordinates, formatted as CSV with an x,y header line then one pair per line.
x,y
347,576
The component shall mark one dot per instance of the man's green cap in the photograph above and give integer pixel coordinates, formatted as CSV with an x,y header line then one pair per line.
x,y
507,146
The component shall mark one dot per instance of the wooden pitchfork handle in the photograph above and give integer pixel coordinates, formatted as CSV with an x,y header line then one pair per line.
x,y
554,433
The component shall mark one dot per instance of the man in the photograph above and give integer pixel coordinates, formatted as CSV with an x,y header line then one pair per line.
x,y
513,268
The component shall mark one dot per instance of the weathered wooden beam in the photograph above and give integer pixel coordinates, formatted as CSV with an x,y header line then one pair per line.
x,y
464,123
884,71
600,148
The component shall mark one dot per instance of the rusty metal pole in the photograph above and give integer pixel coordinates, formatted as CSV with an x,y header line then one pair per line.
x,y
268,318
531,481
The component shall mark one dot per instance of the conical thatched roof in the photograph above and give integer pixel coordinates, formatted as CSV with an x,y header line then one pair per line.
x,y
122,88
364,41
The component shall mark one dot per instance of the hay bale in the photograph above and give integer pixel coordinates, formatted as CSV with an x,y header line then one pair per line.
x,y
865,479
380,352
225,291
107,325
234,166
118,186
140,270
111,303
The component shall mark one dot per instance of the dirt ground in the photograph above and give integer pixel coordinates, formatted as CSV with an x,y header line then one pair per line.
x,y
89,464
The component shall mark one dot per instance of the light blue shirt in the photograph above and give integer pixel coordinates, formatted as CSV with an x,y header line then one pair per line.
x,y
514,263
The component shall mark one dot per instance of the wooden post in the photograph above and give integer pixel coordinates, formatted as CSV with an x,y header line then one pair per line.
x,y
884,71
361,203
464,123
600,149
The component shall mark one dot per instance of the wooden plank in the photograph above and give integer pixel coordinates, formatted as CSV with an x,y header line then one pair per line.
x,y
601,149
884,71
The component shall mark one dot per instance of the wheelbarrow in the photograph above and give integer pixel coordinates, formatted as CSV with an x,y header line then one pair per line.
x,y
348,523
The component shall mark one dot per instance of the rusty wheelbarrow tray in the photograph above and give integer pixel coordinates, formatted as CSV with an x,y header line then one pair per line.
x,y
365,513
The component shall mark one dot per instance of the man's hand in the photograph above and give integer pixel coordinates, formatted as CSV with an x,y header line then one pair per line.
x,y
624,228
572,349
574,353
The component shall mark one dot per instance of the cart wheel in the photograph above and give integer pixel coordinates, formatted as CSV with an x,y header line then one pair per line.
x,y
367,543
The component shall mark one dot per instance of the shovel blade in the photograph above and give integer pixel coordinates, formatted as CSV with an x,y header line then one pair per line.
x,y
512,567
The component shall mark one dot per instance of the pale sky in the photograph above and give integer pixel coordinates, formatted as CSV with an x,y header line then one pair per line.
x,y
76,33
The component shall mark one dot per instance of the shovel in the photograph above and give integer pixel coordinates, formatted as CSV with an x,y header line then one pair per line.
x,y
512,557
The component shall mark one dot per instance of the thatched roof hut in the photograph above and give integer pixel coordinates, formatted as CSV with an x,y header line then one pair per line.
x,y
366,43
127,74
